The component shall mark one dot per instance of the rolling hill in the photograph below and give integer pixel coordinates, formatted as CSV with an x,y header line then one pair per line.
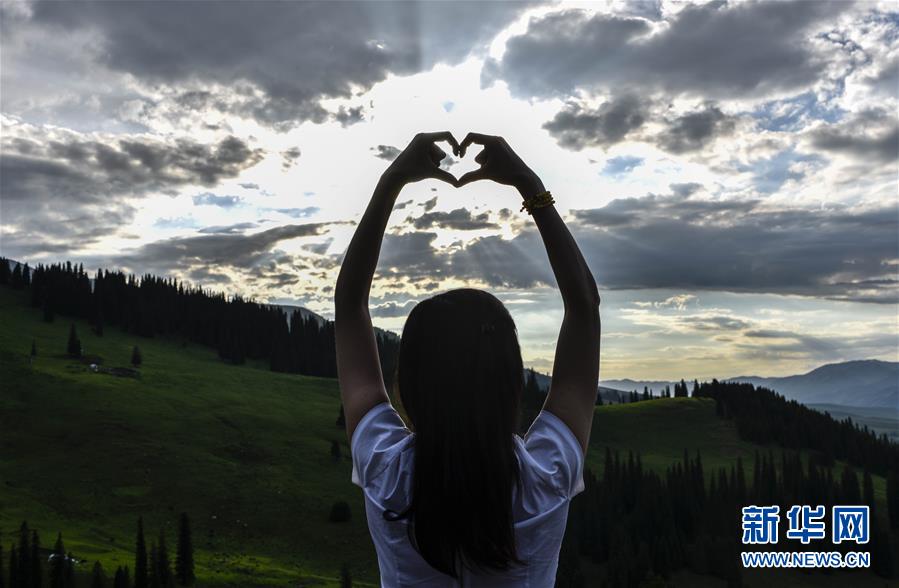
x,y
246,452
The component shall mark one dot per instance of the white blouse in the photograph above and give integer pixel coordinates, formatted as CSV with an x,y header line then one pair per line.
x,y
552,463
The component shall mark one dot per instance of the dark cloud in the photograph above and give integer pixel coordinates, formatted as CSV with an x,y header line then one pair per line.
x,y
289,157
459,219
210,199
318,248
489,259
298,212
349,116
392,309
677,242
224,249
713,50
869,136
695,130
576,127
886,80
278,61
205,276
228,229
126,165
429,204
386,152
74,190
713,323
792,342
681,241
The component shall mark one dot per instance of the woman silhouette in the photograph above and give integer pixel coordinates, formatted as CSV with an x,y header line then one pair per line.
x,y
461,499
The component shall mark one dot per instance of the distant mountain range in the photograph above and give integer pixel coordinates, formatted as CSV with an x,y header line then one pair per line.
x,y
606,393
304,312
628,385
865,383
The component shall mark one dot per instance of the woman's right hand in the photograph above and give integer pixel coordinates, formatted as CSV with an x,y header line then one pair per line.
x,y
500,164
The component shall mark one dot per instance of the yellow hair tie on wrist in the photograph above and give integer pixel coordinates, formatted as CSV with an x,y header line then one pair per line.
x,y
538,200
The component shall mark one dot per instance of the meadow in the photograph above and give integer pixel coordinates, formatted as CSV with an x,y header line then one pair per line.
x,y
245,451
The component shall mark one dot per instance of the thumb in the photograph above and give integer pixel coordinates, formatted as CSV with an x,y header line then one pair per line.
x,y
444,176
472,176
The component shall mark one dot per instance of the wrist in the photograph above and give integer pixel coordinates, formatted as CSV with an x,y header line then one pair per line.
x,y
392,181
529,185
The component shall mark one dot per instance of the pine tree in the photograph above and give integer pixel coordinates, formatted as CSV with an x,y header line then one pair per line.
x,y
74,346
57,564
568,573
97,577
70,571
893,498
849,486
13,568
868,491
136,357
163,565
15,279
25,568
4,273
184,559
121,578
140,557
153,574
346,581
37,571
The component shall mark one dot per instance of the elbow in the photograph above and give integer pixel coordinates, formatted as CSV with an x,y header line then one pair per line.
x,y
346,298
586,304
342,298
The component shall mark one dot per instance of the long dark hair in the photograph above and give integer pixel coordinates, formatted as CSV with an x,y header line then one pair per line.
x,y
460,380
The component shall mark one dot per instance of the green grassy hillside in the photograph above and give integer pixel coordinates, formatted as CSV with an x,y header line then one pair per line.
x,y
243,450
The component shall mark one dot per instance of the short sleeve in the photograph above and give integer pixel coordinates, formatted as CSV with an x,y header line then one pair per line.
x,y
552,444
374,442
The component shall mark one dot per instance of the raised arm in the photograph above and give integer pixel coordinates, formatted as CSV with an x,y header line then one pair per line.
x,y
575,377
358,366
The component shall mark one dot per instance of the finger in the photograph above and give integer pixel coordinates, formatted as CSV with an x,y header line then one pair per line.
x,y
443,175
472,176
443,136
437,154
481,157
470,138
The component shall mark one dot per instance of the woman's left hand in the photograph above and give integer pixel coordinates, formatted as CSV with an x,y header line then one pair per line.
x,y
421,159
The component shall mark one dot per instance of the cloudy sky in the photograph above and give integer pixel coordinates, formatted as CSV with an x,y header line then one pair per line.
x,y
729,169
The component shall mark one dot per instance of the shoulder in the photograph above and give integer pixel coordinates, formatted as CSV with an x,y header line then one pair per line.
x,y
378,438
555,453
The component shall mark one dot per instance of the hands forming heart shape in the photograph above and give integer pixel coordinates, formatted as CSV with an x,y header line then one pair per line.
x,y
499,163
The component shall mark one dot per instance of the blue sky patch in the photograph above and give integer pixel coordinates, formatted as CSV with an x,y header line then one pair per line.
x,y
620,166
